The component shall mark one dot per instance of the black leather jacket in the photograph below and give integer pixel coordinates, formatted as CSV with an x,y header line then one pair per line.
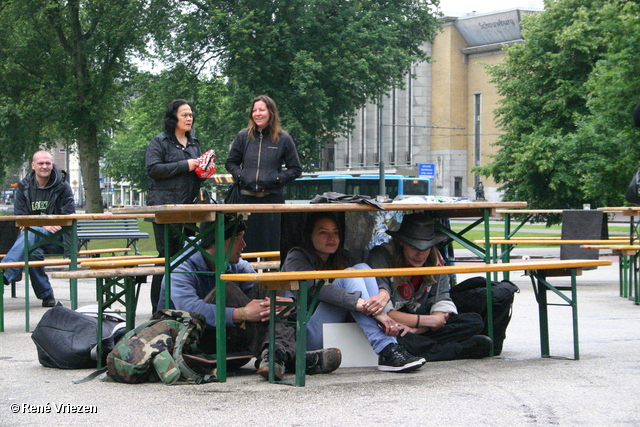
x,y
168,168
256,164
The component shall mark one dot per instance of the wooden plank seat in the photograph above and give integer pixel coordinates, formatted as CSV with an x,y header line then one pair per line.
x,y
628,256
270,255
114,285
538,270
20,264
98,252
116,228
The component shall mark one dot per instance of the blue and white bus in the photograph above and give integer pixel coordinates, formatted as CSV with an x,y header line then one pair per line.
x,y
308,186
365,184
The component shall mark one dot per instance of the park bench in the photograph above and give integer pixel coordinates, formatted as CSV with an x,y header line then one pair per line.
x,y
538,270
117,228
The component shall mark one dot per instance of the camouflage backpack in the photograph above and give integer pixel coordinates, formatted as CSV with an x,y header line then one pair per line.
x,y
154,350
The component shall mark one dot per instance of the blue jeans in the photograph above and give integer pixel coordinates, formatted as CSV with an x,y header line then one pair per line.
x,y
327,313
39,279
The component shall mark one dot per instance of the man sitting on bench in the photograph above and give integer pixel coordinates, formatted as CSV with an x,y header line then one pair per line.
x,y
247,309
44,191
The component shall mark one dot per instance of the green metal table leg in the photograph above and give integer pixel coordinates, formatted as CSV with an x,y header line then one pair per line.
x,y
574,309
25,274
100,288
301,335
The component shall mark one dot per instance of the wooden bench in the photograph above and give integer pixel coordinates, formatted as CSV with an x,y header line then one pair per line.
x,y
114,285
508,244
538,270
116,279
117,228
19,264
628,256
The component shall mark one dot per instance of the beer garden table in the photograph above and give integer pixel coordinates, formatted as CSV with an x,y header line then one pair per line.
x,y
172,214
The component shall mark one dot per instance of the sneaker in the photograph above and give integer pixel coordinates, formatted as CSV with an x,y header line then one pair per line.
x,y
476,347
49,301
323,361
394,358
263,367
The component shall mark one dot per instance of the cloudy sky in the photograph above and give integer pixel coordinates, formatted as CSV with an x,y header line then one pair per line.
x,y
483,6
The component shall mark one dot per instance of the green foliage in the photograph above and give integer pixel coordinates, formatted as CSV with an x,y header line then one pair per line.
x,y
143,119
320,60
568,95
65,64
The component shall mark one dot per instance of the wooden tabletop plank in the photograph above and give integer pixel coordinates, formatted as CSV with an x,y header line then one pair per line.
x,y
320,207
525,241
418,271
528,211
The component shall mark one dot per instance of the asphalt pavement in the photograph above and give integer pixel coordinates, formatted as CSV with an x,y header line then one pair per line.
x,y
517,388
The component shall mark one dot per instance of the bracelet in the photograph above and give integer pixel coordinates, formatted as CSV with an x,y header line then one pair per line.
x,y
418,322
243,318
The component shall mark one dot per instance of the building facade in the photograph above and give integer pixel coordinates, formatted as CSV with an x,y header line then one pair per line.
x,y
444,115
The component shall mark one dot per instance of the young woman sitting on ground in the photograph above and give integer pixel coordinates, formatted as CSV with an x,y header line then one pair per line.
x,y
322,249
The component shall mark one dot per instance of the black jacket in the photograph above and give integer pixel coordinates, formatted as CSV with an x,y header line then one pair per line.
x,y
256,164
59,197
167,166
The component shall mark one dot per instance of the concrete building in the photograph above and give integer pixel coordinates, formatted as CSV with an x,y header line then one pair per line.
x,y
444,115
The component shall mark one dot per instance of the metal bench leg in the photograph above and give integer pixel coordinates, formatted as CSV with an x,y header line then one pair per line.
x,y
300,305
2,300
540,287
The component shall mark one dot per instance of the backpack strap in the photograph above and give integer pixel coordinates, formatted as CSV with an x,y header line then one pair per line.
x,y
91,376
189,325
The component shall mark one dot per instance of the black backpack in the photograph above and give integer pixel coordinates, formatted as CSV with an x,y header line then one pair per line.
x,y
470,296
67,339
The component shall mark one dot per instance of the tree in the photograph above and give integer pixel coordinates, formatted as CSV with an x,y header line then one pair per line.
x,y
320,60
567,139
150,94
65,64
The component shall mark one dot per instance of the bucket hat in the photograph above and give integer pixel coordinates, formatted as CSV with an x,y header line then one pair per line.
x,y
418,231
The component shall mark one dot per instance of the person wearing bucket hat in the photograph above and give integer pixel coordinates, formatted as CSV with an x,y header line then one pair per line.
x,y
422,304
247,307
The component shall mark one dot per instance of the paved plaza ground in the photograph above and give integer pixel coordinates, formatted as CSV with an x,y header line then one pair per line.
x,y
517,388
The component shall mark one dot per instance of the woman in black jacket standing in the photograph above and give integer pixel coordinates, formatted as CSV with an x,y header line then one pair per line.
x,y
256,160
171,160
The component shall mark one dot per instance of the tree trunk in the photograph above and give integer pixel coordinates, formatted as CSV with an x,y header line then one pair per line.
x,y
89,156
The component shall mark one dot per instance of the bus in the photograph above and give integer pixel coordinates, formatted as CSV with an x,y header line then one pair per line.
x,y
308,186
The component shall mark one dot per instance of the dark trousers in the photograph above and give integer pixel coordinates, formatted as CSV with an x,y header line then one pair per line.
x,y
263,229
175,243
445,343
255,337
